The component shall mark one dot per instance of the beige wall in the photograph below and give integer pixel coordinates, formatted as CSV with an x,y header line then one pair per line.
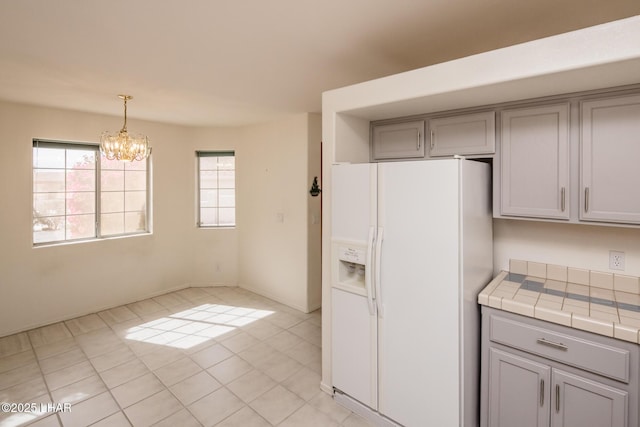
x,y
314,209
214,252
49,284
274,211
573,245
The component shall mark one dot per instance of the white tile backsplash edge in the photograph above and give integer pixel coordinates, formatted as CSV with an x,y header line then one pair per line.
x,y
598,279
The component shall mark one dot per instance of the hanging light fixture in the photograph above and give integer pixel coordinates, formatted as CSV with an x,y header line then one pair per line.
x,y
122,146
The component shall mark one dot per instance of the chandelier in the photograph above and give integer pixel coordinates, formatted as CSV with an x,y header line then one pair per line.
x,y
122,146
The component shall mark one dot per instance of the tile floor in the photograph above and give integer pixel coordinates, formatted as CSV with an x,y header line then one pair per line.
x,y
215,356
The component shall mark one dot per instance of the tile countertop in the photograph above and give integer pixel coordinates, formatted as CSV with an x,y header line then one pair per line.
x,y
602,303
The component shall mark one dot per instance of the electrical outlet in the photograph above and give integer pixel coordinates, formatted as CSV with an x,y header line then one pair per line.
x,y
616,260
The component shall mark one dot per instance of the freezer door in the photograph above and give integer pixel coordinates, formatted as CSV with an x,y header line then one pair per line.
x,y
353,314
354,201
353,347
418,339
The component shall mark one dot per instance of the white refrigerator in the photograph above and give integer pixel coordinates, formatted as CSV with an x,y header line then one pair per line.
x,y
411,249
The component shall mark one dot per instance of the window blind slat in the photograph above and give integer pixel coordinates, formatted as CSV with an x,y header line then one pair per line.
x,y
40,143
215,153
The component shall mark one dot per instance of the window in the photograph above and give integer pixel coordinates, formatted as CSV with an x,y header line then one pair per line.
x,y
216,188
77,194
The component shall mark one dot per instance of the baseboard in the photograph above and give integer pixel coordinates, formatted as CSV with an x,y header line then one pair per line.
x,y
314,308
105,307
276,298
362,410
326,388
209,285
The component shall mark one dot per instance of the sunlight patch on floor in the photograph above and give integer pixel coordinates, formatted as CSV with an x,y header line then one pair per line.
x,y
188,328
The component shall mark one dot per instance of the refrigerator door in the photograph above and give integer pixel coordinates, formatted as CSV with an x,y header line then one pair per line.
x,y
354,201
418,341
353,345
354,216
353,314
477,271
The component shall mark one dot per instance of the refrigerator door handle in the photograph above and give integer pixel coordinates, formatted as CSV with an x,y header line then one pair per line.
x,y
377,272
369,271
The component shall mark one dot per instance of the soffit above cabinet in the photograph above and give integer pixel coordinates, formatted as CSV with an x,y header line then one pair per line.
x,y
598,57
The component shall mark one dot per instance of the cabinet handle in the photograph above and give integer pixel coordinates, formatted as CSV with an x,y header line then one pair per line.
x,y
553,344
586,199
562,199
541,392
419,144
557,398
431,144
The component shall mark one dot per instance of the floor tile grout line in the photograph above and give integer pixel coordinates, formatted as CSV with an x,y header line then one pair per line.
x,y
151,371
109,389
245,403
219,300
138,357
187,407
166,387
277,383
59,418
105,385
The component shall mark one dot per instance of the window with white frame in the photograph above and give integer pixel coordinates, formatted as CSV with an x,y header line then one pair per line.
x,y
216,188
78,194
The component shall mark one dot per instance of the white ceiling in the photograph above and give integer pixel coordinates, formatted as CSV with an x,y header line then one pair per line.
x,y
236,62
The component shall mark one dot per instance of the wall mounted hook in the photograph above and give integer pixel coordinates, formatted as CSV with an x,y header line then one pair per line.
x,y
315,189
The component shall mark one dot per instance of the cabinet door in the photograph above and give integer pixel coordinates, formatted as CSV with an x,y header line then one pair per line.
x,y
535,162
610,153
518,391
398,140
463,135
579,402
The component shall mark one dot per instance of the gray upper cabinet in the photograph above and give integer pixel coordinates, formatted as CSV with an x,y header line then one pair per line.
x,y
467,134
572,159
398,140
535,162
610,157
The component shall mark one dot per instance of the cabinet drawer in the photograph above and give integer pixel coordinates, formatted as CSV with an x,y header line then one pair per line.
x,y
592,356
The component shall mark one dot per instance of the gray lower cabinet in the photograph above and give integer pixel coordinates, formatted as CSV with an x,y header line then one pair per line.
x,y
519,391
538,374
524,393
578,402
